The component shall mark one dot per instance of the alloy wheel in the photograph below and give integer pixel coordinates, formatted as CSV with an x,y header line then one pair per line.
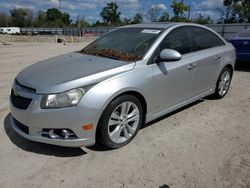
x,y
224,83
123,122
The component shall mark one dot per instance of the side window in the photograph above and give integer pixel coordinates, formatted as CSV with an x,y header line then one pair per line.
x,y
204,39
178,40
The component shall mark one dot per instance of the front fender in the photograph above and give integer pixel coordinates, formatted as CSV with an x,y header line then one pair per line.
x,y
139,80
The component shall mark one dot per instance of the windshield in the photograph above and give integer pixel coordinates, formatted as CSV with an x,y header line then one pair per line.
x,y
127,44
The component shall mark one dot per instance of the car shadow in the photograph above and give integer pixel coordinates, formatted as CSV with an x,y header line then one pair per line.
x,y
99,147
242,66
39,148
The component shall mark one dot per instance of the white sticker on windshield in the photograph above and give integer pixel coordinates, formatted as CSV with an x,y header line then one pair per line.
x,y
151,31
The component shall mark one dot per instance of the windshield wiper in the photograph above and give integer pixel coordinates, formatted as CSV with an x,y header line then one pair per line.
x,y
120,55
100,53
107,56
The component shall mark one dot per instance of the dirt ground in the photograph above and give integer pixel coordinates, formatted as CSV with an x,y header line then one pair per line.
x,y
206,144
43,38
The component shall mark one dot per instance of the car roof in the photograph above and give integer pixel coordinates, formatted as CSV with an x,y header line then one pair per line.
x,y
160,25
167,25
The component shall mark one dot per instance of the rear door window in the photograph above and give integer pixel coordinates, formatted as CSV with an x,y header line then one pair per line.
x,y
204,39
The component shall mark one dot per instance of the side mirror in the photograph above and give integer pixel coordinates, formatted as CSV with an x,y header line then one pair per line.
x,y
169,55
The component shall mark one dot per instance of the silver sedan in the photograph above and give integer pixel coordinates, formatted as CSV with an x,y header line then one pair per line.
x,y
128,77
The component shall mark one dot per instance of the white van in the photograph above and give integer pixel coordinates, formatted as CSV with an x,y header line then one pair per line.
x,y
10,30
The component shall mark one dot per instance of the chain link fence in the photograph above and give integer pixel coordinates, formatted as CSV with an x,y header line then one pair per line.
x,y
226,30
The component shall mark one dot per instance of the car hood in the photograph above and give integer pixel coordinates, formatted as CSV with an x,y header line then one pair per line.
x,y
70,71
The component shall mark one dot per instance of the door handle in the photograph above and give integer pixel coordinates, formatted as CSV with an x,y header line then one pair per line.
x,y
217,57
191,66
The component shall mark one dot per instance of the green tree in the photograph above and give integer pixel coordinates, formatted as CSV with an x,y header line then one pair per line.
x,y
21,17
241,9
110,14
66,19
203,19
55,18
137,19
179,9
164,17
40,19
126,21
4,19
53,14
99,24
81,22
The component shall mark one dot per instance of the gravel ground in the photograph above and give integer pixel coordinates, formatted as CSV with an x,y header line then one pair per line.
x,y
206,144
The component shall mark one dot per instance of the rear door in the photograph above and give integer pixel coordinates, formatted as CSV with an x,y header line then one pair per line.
x,y
208,55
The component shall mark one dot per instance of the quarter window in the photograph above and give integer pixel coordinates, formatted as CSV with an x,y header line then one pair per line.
x,y
204,39
178,40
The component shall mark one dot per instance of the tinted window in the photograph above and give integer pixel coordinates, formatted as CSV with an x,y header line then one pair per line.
x,y
204,39
179,40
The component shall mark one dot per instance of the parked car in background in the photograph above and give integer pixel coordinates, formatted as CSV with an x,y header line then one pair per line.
x,y
10,30
129,76
241,42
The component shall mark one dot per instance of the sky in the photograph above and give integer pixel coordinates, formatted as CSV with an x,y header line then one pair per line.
x,y
90,9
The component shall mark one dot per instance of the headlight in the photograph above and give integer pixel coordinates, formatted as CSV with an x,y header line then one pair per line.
x,y
67,99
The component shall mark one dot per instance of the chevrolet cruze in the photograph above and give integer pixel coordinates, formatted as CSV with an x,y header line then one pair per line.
x,y
129,76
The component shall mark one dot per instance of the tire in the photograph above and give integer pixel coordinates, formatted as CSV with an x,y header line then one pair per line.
x,y
117,125
219,92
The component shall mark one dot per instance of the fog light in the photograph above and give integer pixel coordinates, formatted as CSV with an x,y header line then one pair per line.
x,y
52,134
65,134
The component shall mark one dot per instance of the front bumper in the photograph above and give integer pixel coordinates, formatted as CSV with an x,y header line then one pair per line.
x,y
58,142
37,119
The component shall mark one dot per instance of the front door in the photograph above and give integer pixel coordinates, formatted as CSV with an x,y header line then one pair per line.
x,y
174,81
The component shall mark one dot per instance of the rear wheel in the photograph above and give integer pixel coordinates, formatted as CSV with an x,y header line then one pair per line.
x,y
120,121
223,83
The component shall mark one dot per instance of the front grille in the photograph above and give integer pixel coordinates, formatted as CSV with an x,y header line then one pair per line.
x,y
25,88
21,126
20,102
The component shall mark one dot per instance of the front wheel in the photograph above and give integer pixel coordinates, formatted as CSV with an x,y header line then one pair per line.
x,y
120,121
223,83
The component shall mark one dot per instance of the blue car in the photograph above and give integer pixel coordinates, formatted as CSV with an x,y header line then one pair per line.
x,y
241,42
